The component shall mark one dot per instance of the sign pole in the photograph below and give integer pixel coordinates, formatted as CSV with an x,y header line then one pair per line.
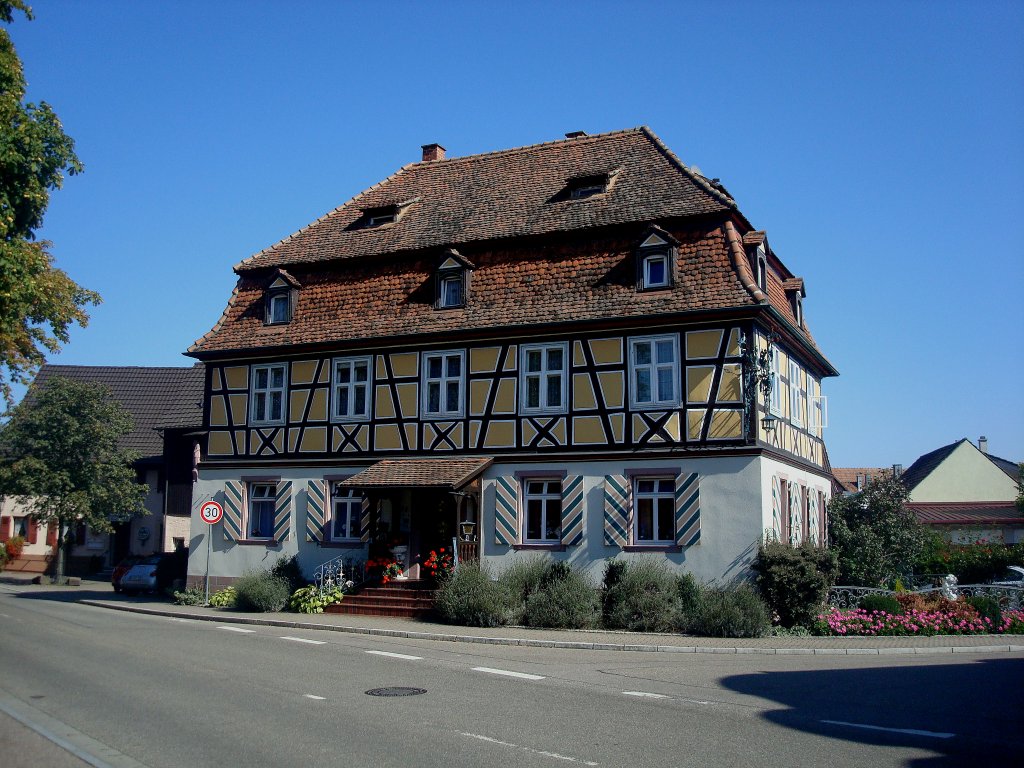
x,y
209,548
211,513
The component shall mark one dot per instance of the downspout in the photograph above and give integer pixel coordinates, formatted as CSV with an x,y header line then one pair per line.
x,y
739,262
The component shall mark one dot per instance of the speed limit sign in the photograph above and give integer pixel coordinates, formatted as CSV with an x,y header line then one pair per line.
x,y
211,512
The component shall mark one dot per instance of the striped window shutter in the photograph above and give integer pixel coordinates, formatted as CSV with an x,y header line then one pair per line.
x,y
795,527
812,518
506,511
316,506
233,501
283,511
776,508
33,531
687,509
5,527
364,520
616,511
572,510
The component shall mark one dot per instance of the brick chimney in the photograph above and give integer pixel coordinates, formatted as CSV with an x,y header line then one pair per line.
x,y
432,152
983,444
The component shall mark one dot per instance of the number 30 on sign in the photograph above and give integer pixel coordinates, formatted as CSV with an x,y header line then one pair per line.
x,y
211,512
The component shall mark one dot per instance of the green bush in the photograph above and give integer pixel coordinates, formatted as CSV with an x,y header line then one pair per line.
x,y
882,604
794,581
262,592
974,563
191,596
470,597
287,568
310,600
523,577
736,611
565,600
224,598
988,607
641,596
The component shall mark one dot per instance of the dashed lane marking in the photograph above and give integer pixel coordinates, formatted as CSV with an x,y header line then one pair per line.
x,y
237,629
909,731
507,673
304,640
396,655
542,752
645,694
314,698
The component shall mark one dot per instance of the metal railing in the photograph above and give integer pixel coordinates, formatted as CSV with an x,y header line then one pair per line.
x,y
848,597
340,572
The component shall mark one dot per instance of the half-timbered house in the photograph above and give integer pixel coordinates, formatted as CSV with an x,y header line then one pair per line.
x,y
580,347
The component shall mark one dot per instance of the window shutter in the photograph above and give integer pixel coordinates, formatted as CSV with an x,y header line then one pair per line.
x,y
572,510
776,508
5,528
687,509
364,519
233,501
316,503
616,511
33,530
795,526
283,511
506,510
51,533
812,518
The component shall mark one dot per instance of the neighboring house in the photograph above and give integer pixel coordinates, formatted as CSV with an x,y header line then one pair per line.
x,y
966,493
853,479
543,349
166,407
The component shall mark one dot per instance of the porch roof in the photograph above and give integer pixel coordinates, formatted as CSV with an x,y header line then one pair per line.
x,y
453,473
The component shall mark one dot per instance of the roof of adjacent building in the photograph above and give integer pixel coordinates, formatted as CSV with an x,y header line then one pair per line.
x,y
847,476
967,513
452,473
508,193
156,398
927,463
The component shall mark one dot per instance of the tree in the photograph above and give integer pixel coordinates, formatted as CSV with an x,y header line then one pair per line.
x,y
59,456
875,536
38,302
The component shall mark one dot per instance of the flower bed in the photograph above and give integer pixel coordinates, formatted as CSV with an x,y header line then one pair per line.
x,y
959,619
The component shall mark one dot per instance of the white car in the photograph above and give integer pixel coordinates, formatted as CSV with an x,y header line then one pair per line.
x,y
1014,577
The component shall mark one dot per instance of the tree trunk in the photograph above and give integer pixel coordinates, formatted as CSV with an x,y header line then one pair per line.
x,y
60,551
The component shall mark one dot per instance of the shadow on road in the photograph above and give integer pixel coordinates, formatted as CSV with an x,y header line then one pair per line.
x,y
95,591
979,702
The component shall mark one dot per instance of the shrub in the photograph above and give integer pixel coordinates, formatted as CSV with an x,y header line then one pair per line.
x,y
911,601
14,546
224,598
974,563
794,581
881,604
641,596
689,592
566,600
261,592
988,608
471,598
310,600
287,568
521,579
736,611
191,596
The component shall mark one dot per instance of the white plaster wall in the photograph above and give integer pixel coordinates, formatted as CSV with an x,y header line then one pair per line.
x,y
966,475
773,468
11,508
175,526
730,506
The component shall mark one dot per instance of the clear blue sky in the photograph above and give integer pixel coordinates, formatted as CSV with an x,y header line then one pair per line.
x,y
881,145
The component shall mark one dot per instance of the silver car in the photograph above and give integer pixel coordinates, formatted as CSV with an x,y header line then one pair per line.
x,y
142,577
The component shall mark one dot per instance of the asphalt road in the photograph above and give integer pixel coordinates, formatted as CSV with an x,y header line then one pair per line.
x,y
154,691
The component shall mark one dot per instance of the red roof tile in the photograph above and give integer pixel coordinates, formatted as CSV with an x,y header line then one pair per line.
x,y
419,473
967,513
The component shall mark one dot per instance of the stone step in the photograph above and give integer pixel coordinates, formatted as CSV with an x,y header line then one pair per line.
x,y
347,607
29,564
394,602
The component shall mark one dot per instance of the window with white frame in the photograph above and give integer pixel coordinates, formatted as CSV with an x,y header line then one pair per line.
x,y
762,269
450,292
654,510
542,503
268,393
278,307
351,388
543,378
346,508
654,371
797,395
775,404
443,384
260,524
656,272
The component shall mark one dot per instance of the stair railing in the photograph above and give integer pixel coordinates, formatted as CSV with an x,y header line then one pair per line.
x,y
341,572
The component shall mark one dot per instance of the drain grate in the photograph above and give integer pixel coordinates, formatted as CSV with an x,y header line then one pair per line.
x,y
396,691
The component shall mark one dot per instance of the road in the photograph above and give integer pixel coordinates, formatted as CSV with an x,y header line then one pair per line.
x,y
154,691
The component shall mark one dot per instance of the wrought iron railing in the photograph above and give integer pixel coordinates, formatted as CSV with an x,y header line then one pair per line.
x,y
341,572
1010,598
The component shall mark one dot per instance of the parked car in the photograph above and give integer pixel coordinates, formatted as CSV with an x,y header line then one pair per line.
x,y
156,572
121,569
1014,577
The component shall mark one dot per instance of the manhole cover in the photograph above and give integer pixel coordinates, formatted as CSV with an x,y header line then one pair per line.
x,y
395,691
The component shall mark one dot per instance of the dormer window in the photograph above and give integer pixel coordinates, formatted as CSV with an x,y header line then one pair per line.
x,y
655,259
762,269
376,217
798,309
452,281
588,187
279,299
794,287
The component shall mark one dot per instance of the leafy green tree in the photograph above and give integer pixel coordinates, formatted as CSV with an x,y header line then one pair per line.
x,y
875,536
59,456
38,302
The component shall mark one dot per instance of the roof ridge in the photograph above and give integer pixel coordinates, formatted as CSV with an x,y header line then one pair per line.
x,y
694,176
538,145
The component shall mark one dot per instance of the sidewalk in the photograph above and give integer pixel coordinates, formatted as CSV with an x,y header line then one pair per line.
x,y
101,595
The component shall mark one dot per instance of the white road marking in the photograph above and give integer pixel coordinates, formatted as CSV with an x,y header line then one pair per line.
x,y
909,731
314,698
506,673
396,655
545,753
5,615
237,629
304,640
644,694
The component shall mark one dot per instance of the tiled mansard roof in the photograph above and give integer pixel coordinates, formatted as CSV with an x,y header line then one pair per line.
x,y
508,214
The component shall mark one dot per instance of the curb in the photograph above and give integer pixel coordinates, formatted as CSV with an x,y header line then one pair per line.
x,y
570,645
